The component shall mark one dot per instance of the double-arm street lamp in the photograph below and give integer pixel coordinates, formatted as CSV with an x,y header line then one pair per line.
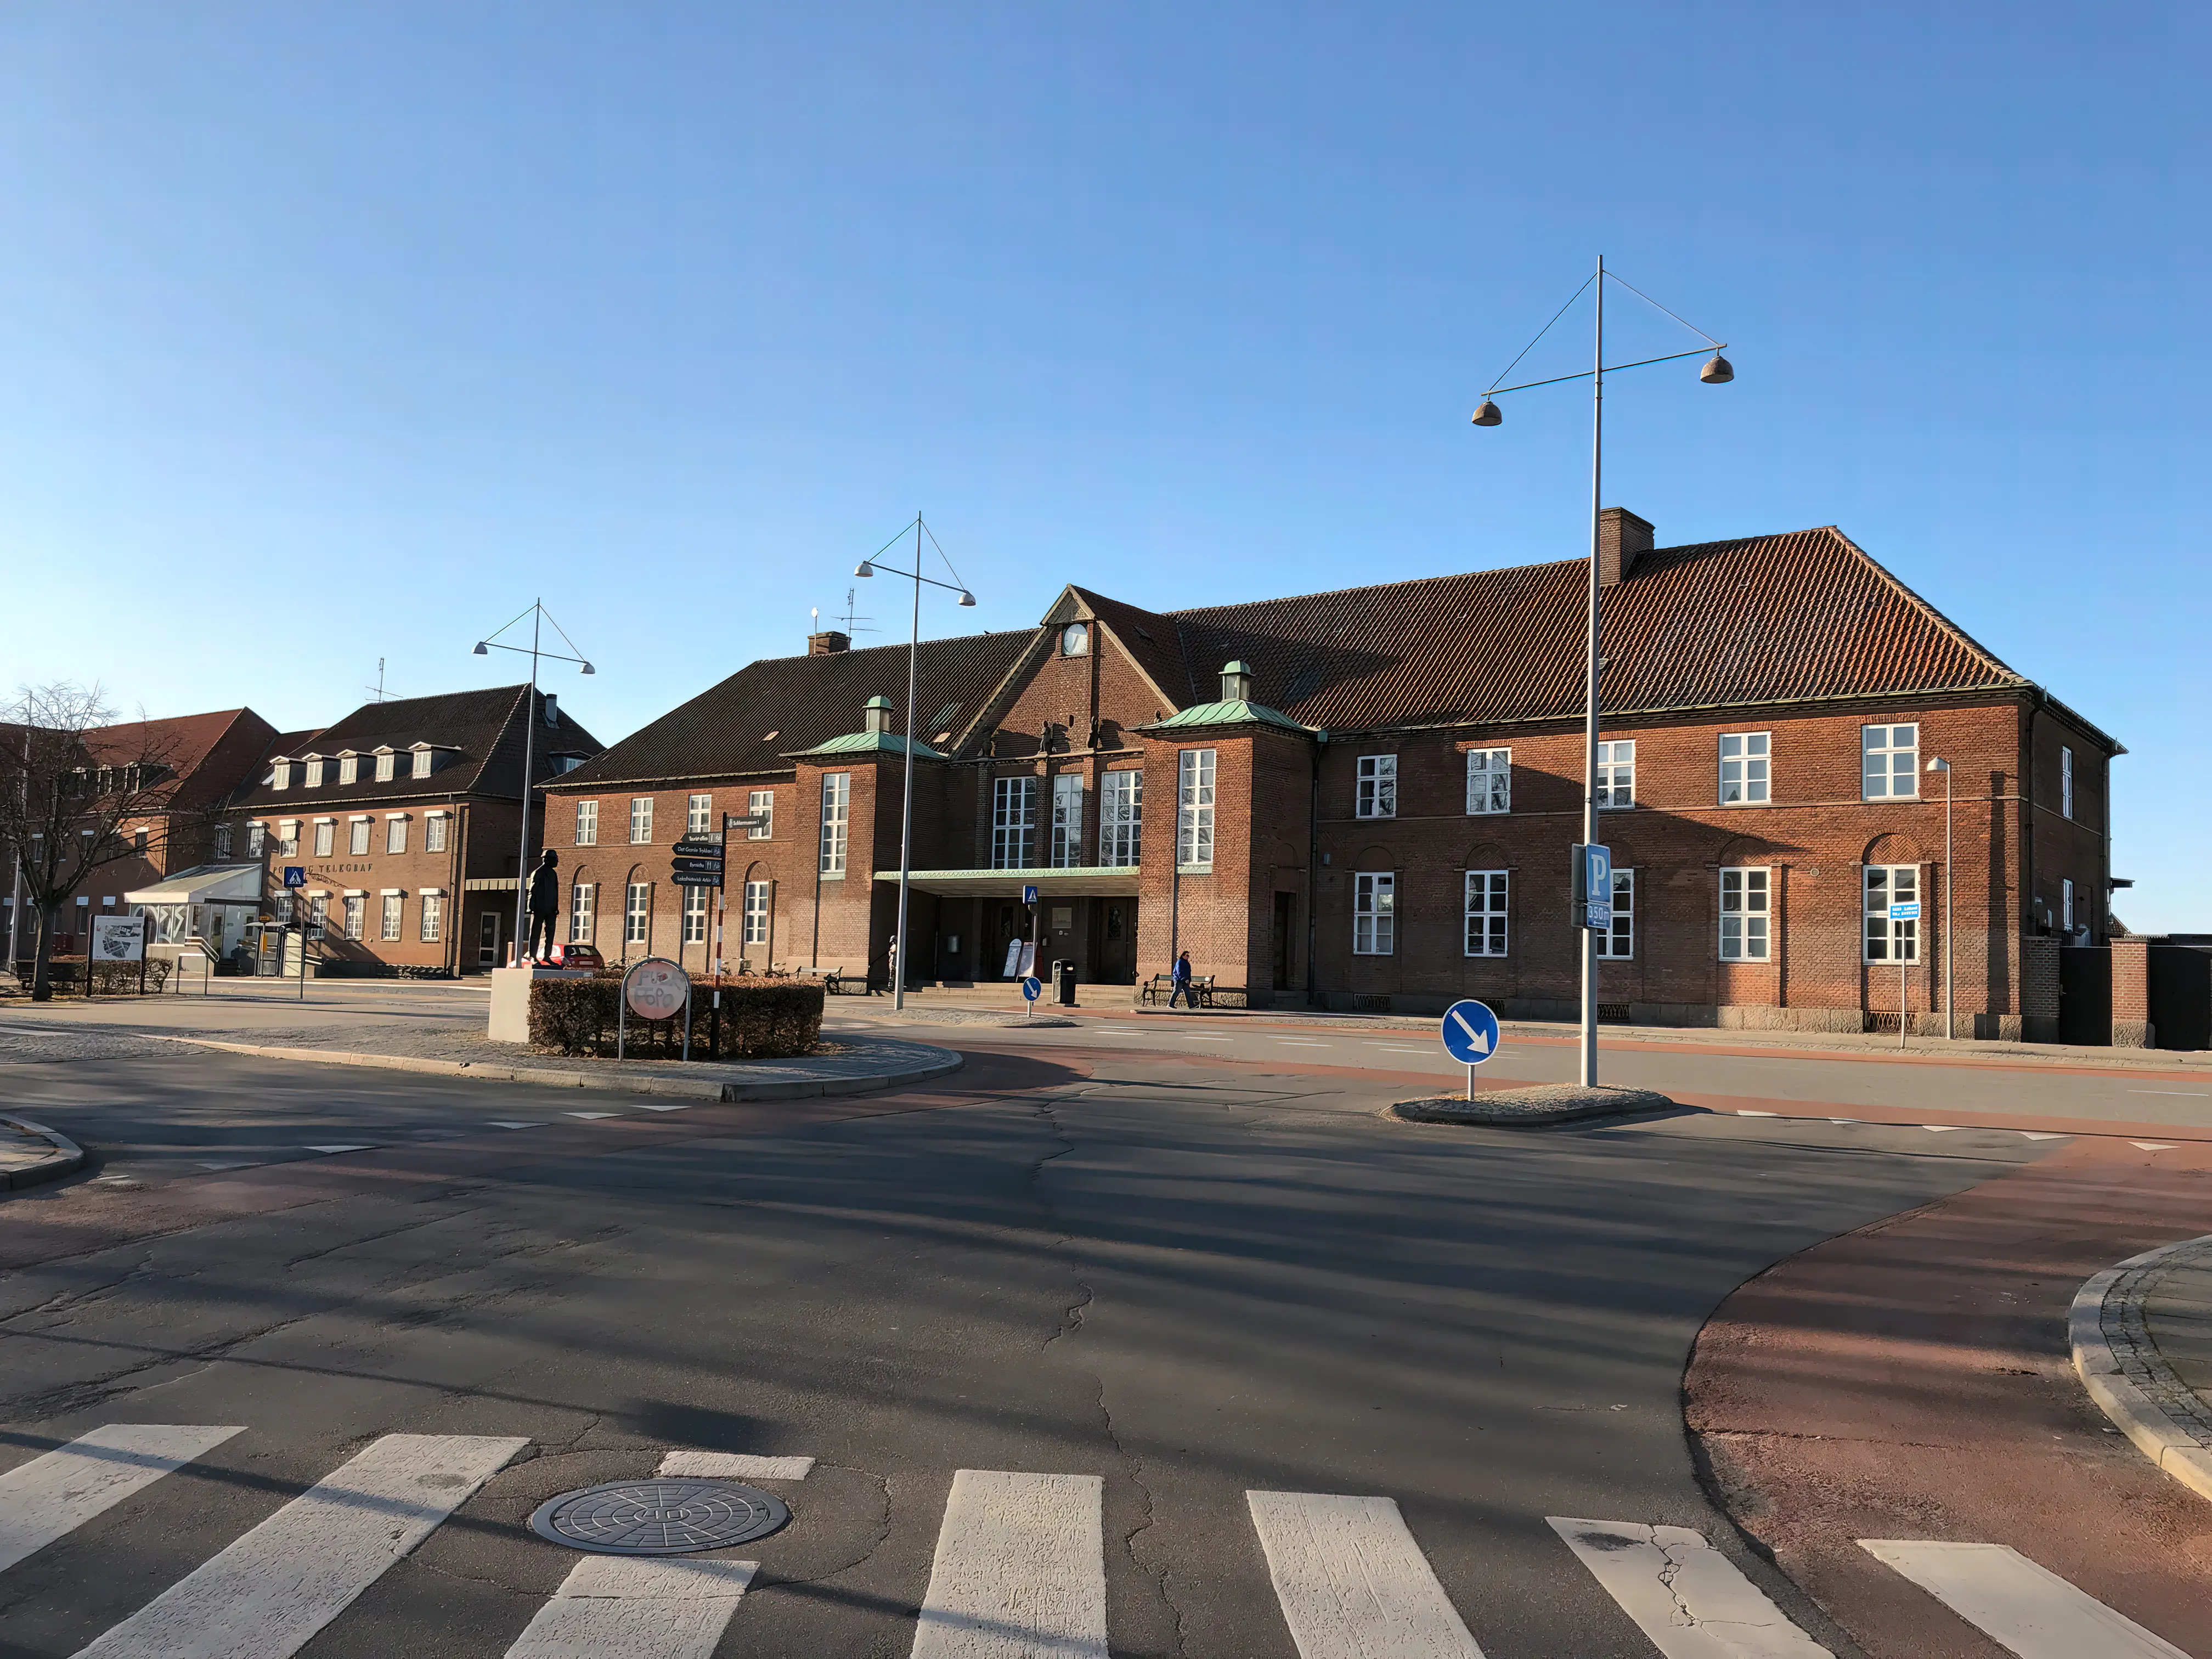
x,y
870,567
538,618
1715,372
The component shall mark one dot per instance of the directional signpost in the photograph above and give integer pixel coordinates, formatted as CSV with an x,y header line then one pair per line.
x,y
698,862
1470,1036
1032,988
1906,912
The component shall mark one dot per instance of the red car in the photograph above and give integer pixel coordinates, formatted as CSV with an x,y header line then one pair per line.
x,y
576,956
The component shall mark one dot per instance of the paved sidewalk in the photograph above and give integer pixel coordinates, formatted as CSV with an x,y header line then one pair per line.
x,y
2142,1336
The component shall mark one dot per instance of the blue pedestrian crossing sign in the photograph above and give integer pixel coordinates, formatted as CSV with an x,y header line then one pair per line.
x,y
1029,895
1032,988
296,875
1470,1032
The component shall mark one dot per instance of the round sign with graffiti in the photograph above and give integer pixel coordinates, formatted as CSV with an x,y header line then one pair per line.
x,y
656,988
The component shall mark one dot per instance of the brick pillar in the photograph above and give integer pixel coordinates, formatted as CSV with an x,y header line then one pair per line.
x,y
2131,1027
2039,988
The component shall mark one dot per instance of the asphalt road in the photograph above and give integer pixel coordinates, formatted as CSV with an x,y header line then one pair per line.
x,y
1190,1278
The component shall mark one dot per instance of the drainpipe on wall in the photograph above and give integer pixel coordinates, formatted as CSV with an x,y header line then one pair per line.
x,y
1313,874
453,888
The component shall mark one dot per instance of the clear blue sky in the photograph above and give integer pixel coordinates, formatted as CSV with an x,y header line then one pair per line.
x,y
333,333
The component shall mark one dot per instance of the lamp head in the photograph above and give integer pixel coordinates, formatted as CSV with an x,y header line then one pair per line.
x,y
588,669
1937,763
966,597
1718,371
864,569
482,650
1488,414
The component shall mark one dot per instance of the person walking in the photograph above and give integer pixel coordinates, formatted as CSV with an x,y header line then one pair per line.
x,y
1181,988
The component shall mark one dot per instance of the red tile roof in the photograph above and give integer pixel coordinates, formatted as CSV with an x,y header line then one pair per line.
x,y
208,754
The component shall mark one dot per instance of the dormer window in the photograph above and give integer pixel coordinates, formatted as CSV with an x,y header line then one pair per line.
x,y
383,765
1075,640
280,775
348,769
424,756
314,771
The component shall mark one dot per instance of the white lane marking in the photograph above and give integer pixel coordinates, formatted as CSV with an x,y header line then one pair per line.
x,y
248,1165
1691,1600
612,1607
1020,1570
267,1593
2016,1603
1943,1128
2178,1094
1398,1049
364,1147
589,1115
1746,1111
2042,1134
2152,1146
503,1123
1352,1581
666,1106
59,1491
1842,1120
1200,1036
734,1466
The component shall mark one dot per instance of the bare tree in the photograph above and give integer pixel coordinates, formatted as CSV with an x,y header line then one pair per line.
x,y
72,797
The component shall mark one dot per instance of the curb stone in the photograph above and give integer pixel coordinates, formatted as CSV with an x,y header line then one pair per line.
x,y
66,1158
2127,1376
1531,1108
706,1088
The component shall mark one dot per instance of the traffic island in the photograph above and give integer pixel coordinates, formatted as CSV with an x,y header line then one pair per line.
x,y
2140,1333
1534,1107
31,1152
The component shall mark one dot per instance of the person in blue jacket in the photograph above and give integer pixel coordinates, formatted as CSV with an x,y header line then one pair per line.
x,y
1182,977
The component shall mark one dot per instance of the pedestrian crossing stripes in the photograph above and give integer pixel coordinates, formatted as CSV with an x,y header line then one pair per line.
x,y
1019,1571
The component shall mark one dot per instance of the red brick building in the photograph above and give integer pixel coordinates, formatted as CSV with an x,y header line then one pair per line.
x,y
1366,799
406,818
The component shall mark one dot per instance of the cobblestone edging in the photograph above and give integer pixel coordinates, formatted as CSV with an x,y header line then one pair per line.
x,y
2120,1366
31,1152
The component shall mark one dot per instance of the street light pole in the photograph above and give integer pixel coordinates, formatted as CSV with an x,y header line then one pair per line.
x,y
868,568
538,618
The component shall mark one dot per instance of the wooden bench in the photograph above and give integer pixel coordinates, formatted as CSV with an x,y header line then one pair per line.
x,y
1161,987
837,982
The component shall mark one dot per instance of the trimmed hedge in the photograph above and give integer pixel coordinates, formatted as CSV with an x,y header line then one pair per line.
x,y
109,979
760,1019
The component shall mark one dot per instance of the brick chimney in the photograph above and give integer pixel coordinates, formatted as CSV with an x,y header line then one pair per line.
x,y
831,643
1621,536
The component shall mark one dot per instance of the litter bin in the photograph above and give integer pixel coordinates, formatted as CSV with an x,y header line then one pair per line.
x,y
1063,983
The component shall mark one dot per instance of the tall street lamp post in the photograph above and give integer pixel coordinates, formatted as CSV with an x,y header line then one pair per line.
x,y
869,568
1715,372
1950,1031
538,616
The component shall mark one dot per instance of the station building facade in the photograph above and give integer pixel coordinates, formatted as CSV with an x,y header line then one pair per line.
x,y
1365,798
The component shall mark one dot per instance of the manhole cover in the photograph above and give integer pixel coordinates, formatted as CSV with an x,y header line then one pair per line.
x,y
659,1517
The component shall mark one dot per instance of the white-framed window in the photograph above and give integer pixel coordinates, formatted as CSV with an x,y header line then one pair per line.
x,y
256,838
326,837
222,842
1618,942
1120,818
580,897
280,775
699,815
1616,773
1376,795
837,811
637,912
1744,757
1889,762
1374,913
761,803
395,835
2065,783
422,767
694,915
384,760
357,909
1075,640
1489,779
315,773
288,838
1066,819
432,907
1887,940
587,823
1486,913
1195,809
1746,915
1013,822
434,832
357,838
756,922
348,769
640,820
394,907
280,906
318,910
2066,905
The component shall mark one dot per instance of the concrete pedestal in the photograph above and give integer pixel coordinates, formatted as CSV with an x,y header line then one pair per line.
x,y
510,1000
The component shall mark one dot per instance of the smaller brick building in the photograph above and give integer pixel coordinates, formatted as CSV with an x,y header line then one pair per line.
x,y
406,818
1366,799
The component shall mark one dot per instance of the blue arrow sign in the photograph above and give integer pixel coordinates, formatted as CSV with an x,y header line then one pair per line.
x,y
1032,988
1470,1032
